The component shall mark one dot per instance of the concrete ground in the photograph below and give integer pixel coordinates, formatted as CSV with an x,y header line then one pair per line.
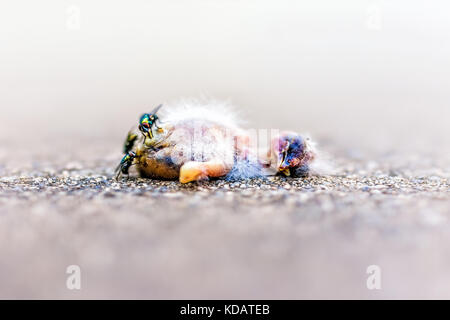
x,y
259,239
369,80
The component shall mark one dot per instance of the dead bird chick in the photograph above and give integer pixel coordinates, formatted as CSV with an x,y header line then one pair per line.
x,y
199,141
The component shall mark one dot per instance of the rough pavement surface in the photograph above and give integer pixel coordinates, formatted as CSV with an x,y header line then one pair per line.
x,y
272,238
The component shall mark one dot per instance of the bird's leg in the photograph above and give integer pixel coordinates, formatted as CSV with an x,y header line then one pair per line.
x,y
194,170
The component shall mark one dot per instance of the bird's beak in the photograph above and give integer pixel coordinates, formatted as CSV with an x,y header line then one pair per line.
x,y
286,172
281,158
283,166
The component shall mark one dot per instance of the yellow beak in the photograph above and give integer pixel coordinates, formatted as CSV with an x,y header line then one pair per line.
x,y
286,172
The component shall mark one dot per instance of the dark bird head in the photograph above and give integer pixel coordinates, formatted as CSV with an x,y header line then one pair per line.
x,y
292,154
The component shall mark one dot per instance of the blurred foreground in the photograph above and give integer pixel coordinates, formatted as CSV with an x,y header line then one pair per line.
x,y
369,80
276,238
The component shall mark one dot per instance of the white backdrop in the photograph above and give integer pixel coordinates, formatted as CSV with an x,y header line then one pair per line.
x,y
371,73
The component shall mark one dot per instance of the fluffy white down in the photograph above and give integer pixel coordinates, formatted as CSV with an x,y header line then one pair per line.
x,y
210,110
198,146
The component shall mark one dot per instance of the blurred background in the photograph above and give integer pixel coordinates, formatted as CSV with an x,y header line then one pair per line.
x,y
368,79
372,74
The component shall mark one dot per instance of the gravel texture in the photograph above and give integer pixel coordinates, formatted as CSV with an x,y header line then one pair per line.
x,y
262,238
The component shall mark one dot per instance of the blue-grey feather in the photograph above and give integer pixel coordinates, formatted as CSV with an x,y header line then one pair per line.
x,y
245,169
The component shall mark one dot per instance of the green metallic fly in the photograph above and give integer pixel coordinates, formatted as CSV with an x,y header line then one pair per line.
x,y
129,142
147,121
125,164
